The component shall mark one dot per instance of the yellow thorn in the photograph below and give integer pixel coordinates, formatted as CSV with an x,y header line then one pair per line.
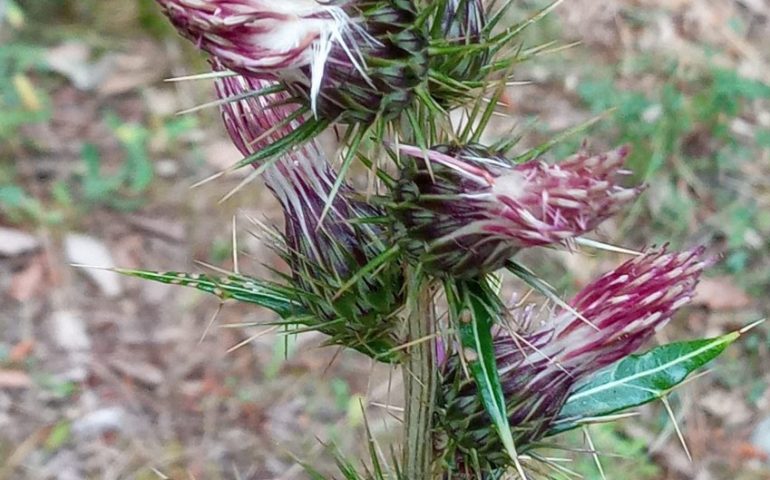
x,y
676,427
252,338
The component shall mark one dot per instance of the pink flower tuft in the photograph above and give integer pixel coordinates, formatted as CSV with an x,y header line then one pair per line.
x,y
626,306
257,36
472,210
348,61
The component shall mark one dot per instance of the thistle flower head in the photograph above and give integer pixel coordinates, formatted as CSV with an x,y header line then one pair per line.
x,y
625,307
463,211
260,36
538,368
324,252
349,60
327,253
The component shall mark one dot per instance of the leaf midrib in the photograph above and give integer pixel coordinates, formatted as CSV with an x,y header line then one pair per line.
x,y
721,340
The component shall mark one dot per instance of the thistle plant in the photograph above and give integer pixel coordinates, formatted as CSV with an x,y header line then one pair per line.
x,y
486,386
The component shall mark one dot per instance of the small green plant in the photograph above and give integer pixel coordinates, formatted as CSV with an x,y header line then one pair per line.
x,y
96,183
124,189
20,101
17,205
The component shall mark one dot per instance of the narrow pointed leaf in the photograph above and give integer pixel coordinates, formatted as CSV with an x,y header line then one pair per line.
x,y
638,379
475,313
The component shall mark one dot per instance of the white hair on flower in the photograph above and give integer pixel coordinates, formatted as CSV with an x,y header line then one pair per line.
x,y
346,33
330,25
276,36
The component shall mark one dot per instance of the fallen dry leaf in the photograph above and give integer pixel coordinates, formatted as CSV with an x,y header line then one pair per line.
x,y
720,293
73,60
100,422
96,258
70,331
727,406
165,228
137,67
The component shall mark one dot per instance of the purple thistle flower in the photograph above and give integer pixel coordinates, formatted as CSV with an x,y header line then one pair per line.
x,y
350,60
323,252
470,210
326,252
539,368
259,36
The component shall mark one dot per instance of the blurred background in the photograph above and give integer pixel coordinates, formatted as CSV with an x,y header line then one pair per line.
x,y
108,377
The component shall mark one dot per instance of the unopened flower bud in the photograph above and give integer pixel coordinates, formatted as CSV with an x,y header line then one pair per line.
x,y
463,211
326,252
462,21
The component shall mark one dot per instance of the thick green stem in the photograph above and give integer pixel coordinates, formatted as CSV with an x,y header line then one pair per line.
x,y
419,381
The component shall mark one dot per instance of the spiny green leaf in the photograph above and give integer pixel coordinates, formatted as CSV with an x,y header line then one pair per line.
x,y
638,379
287,302
281,300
